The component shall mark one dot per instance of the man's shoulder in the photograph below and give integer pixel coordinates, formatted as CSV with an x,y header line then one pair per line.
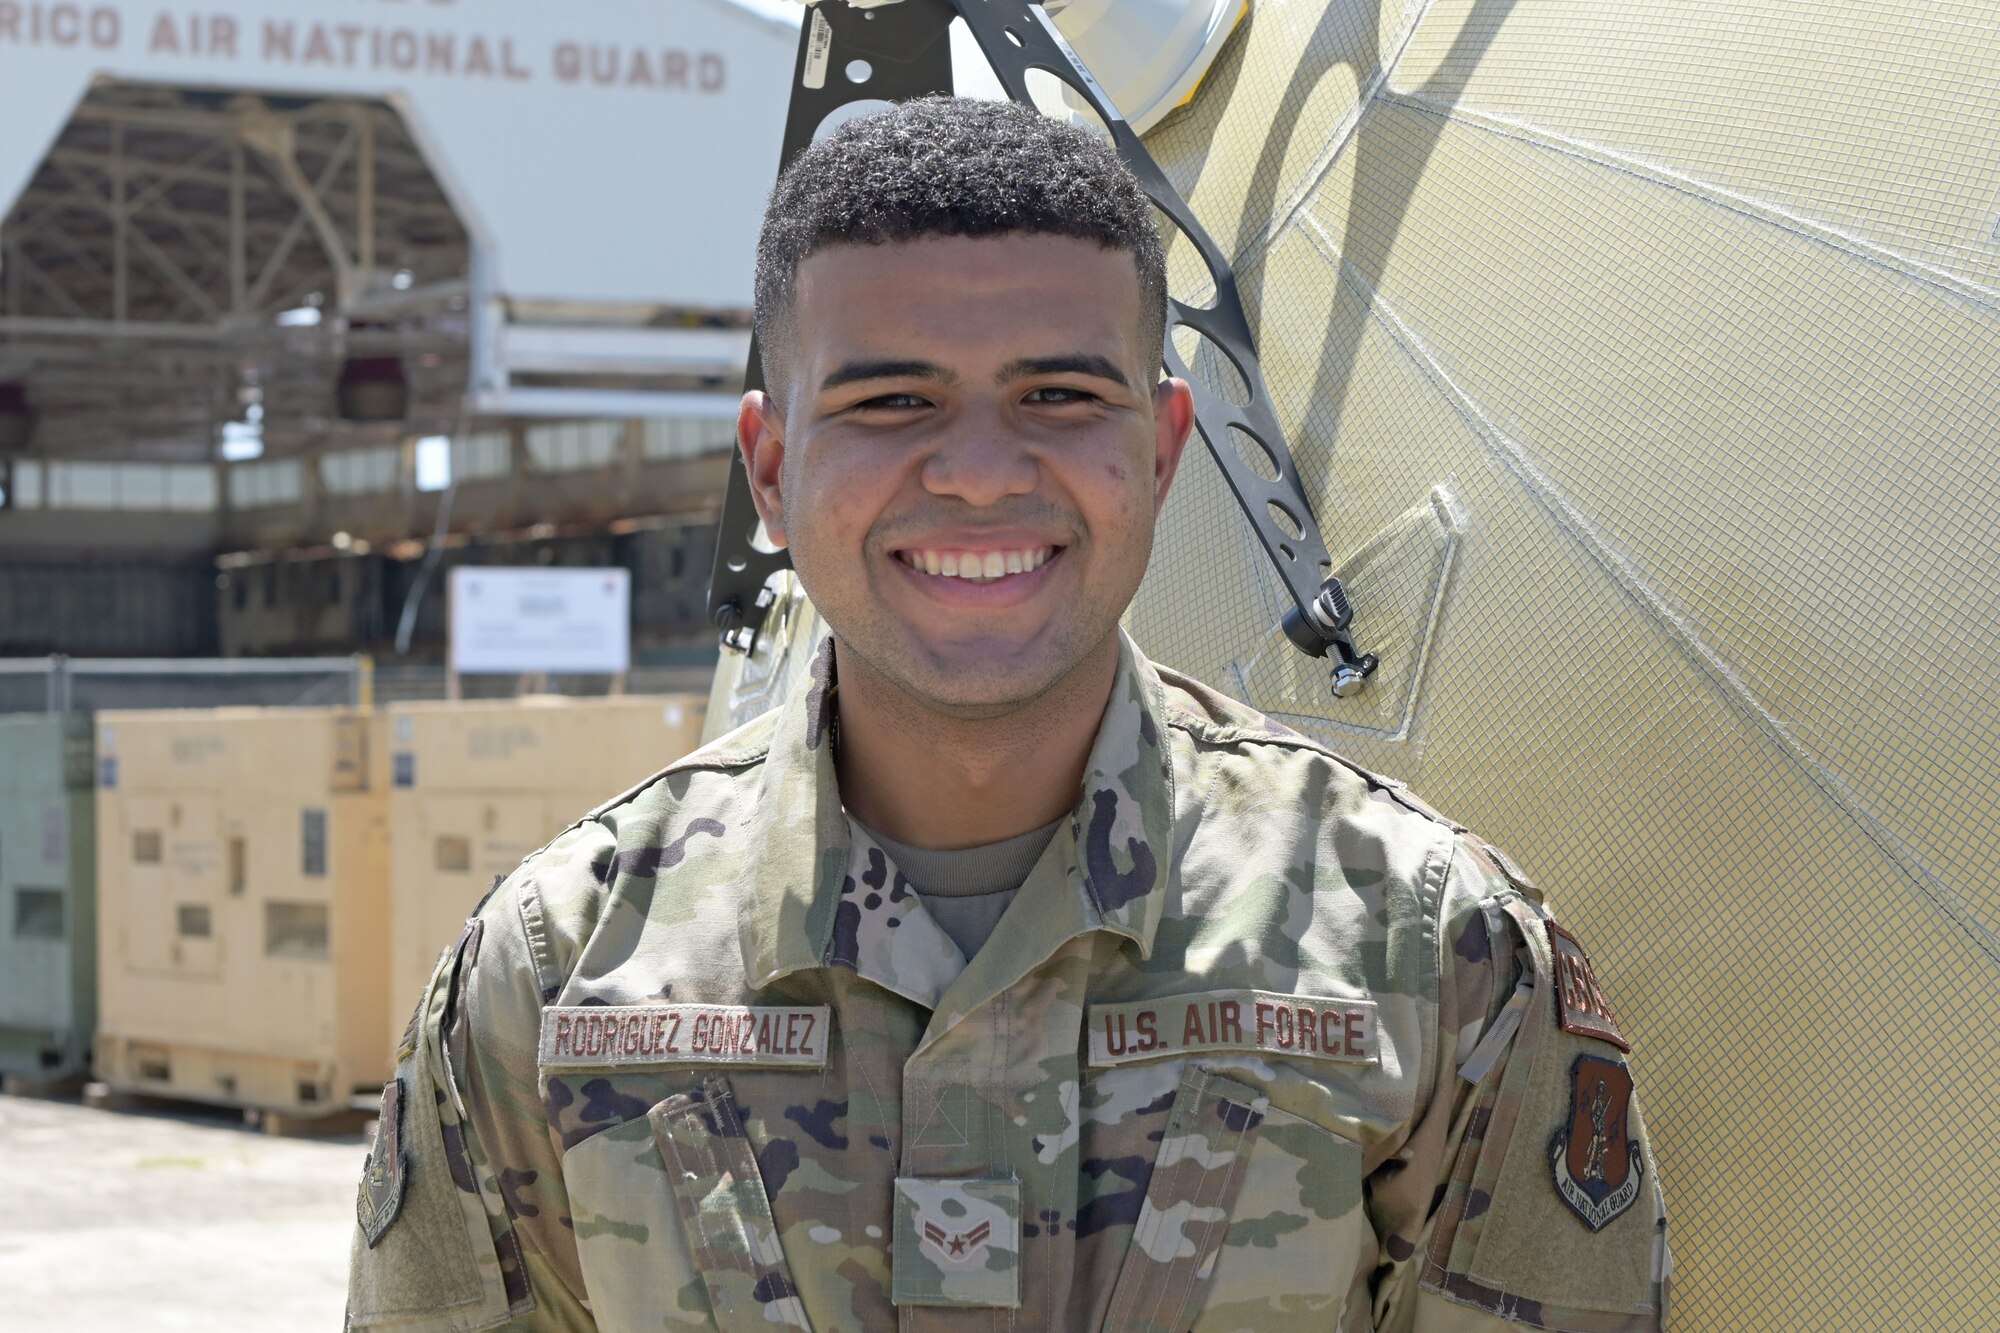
x,y
1216,721
1333,802
728,758
1210,717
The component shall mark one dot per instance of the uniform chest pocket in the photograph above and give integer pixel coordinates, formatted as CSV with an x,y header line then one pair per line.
x,y
673,1225
1252,1220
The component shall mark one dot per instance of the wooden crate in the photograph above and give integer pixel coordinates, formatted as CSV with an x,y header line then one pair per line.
x,y
476,786
242,897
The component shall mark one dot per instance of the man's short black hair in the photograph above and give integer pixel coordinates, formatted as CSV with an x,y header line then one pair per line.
x,y
945,166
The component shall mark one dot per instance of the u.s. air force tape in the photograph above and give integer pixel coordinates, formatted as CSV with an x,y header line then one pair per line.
x,y
594,1036
1287,1027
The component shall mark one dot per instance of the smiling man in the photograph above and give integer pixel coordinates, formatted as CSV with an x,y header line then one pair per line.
x,y
1001,979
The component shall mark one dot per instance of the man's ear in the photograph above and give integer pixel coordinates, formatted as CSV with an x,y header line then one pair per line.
x,y
760,434
1173,419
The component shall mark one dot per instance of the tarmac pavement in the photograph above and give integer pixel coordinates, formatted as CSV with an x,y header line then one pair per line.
x,y
169,1219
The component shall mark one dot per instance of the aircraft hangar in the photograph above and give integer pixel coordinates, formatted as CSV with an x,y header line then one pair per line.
x,y
297,310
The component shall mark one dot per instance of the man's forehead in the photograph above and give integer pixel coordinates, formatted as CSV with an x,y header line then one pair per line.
x,y
972,267
969,290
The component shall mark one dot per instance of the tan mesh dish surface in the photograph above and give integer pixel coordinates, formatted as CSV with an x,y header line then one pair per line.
x,y
1644,359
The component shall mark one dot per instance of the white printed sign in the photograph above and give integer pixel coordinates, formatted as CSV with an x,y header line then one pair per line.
x,y
509,621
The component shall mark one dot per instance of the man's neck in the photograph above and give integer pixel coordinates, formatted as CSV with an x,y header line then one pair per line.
x,y
931,779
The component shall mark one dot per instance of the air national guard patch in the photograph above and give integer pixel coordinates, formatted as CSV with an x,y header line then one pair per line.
x,y
1580,1004
388,1170
1597,1165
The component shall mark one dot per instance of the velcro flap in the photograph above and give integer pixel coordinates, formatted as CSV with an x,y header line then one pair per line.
x,y
748,1035
1196,1176
958,1242
424,1258
726,1211
1287,1027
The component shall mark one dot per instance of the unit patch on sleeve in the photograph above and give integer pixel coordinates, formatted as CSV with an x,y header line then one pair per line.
x,y
1580,1005
1597,1166
1290,1027
388,1171
595,1036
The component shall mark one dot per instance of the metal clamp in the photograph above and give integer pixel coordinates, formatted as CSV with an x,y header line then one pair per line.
x,y
740,630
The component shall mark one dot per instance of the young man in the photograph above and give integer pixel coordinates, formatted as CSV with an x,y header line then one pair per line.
x,y
1001,979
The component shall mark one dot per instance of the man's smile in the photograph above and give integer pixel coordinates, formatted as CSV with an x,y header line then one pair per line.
x,y
981,577
977,564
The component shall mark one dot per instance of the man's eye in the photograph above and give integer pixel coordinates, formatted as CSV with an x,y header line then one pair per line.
x,y
1057,394
892,402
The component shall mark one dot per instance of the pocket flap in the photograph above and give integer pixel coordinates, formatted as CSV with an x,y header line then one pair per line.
x,y
726,1211
1210,1131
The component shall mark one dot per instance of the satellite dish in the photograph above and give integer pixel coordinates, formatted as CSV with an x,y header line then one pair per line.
x,y
1642,361
1639,363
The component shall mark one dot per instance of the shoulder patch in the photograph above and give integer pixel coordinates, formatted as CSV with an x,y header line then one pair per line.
x,y
1597,1164
1580,1004
388,1170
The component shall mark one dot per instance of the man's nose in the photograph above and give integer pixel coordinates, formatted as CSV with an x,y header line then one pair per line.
x,y
978,460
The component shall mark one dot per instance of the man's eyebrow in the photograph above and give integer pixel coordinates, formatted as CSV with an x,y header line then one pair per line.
x,y
1071,363
853,372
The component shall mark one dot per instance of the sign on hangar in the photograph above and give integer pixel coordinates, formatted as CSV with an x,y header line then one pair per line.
x,y
610,153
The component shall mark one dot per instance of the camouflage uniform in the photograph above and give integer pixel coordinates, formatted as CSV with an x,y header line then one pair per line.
x,y
1263,1044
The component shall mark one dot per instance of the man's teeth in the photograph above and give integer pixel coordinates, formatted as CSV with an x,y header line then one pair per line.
x,y
978,566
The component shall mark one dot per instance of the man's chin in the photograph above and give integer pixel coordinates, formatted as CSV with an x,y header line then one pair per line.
x,y
983,696
973,676
985,680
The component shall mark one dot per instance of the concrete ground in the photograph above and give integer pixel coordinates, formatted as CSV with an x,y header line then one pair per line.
x,y
169,1219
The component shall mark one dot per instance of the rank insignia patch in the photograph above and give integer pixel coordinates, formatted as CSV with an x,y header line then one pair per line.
x,y
1580,1004
956,1247
1596,1161
388,1171
957,1242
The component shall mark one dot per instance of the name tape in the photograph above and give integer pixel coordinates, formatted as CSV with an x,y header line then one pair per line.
x,y
1291,1027
595,1036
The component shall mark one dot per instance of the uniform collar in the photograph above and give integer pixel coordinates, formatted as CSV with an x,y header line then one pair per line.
x,y
801,867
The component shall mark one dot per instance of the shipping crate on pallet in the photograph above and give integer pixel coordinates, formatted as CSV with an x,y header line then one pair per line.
x,y
48,911
242,896
477,786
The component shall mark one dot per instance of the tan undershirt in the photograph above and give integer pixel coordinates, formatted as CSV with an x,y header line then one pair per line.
x,y
968,890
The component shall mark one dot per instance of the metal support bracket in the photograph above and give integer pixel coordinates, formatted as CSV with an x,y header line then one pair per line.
x,y
907,44
908,49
